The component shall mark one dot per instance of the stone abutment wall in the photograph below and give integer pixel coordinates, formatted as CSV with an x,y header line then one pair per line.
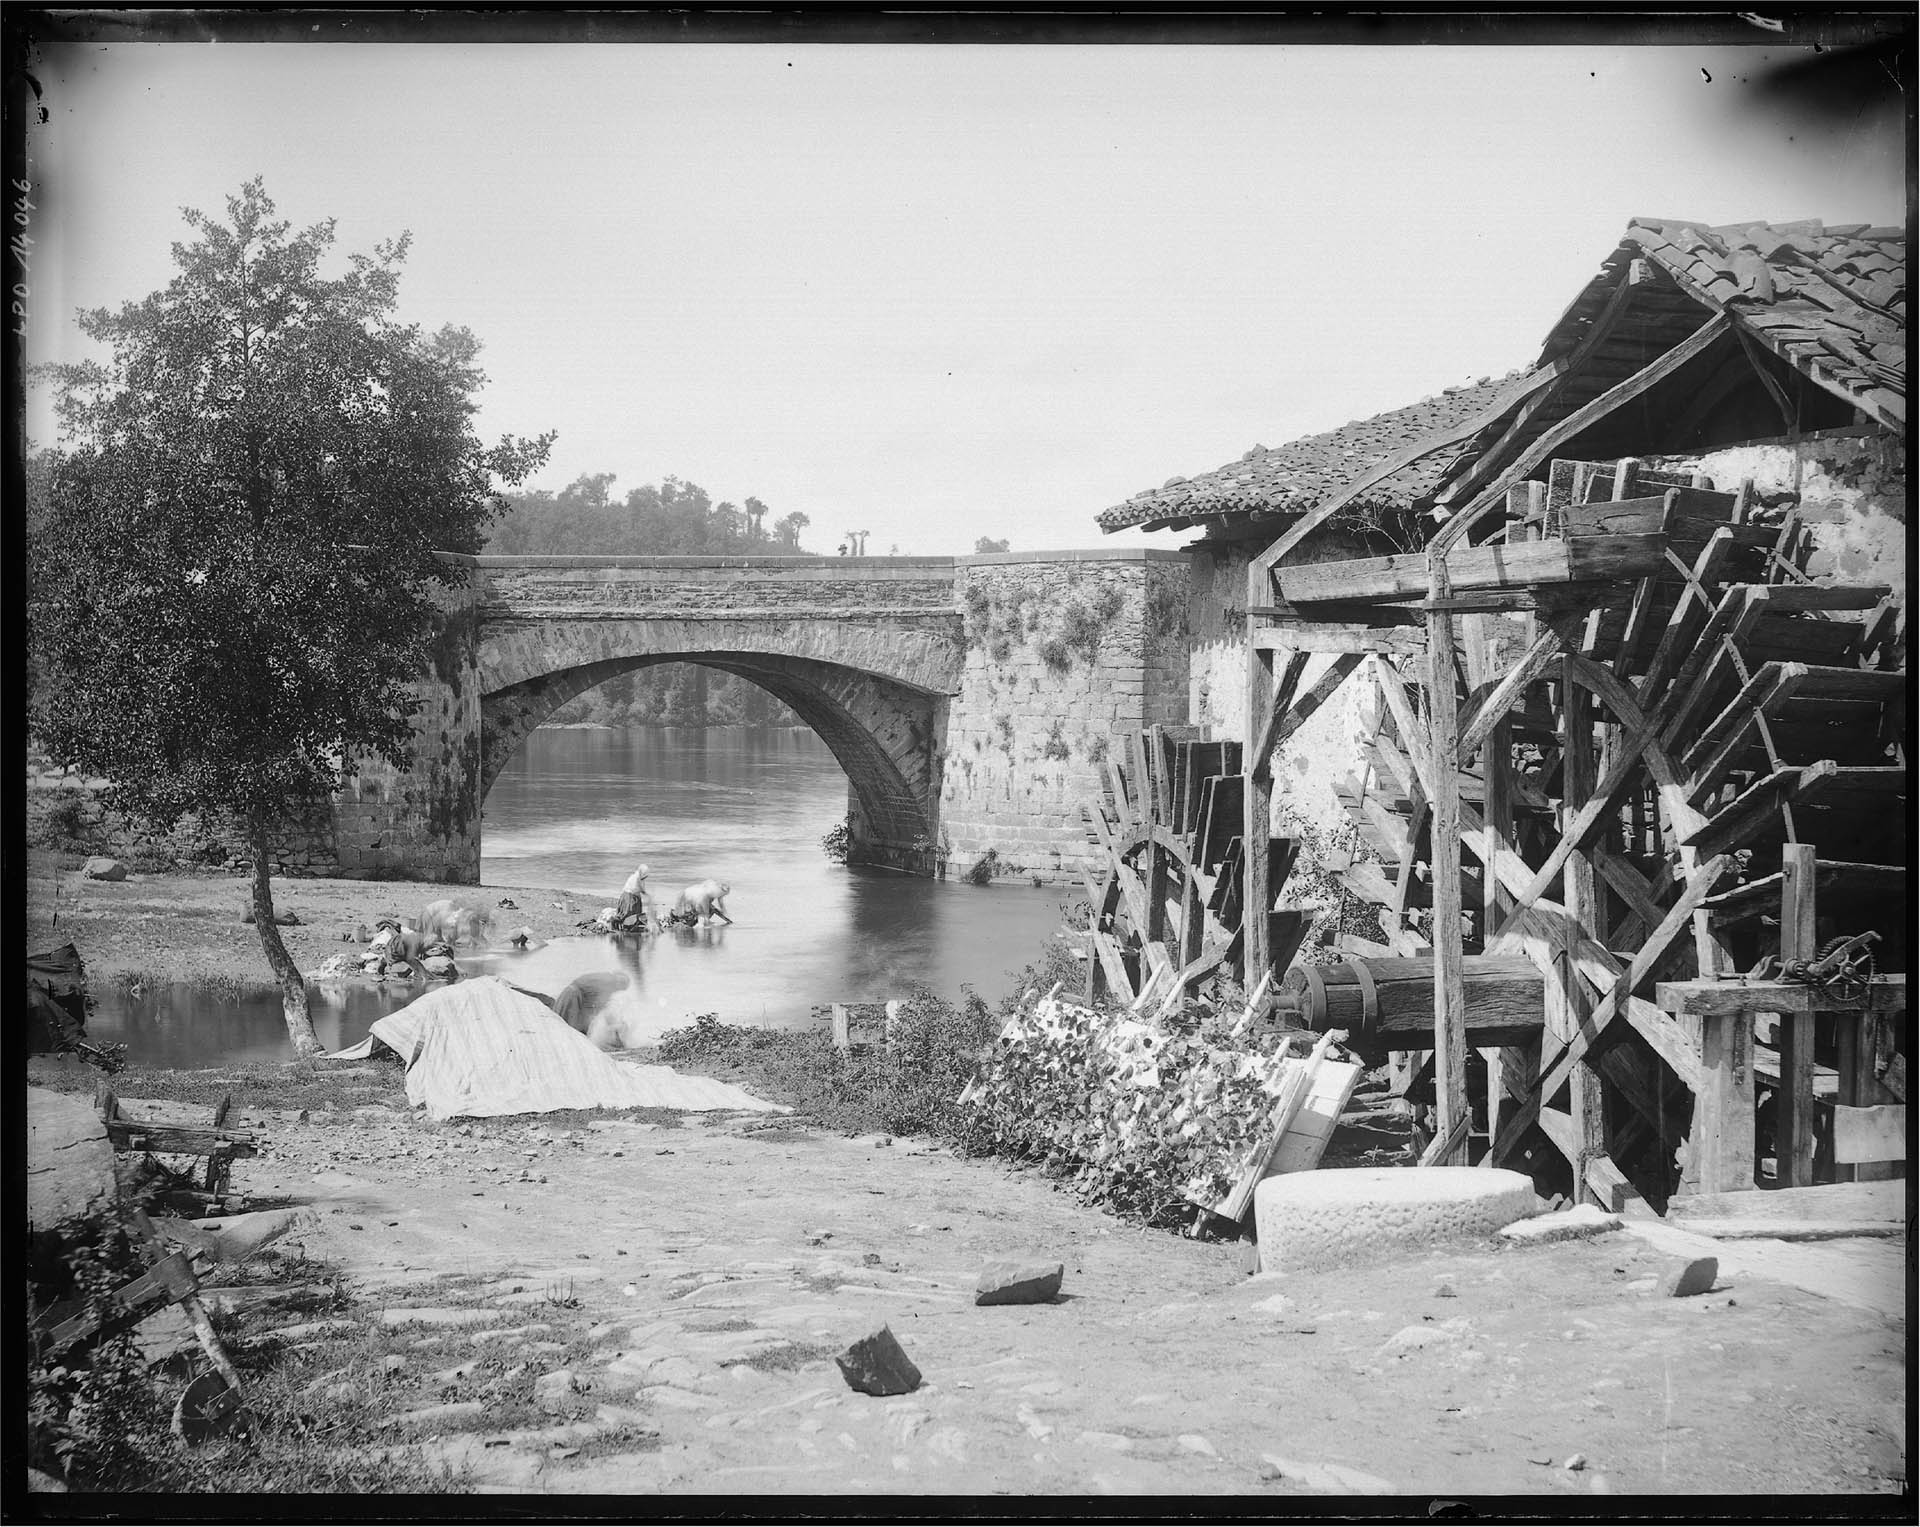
x,y
1063,650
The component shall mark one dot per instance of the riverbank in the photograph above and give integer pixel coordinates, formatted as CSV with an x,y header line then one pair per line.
x,y
691,1276
186,925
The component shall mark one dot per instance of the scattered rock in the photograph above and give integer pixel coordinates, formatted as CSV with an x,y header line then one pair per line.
x,y
1576,1463
1250,1258
1193,1442
1694,1277
104,869
393,1362
875,1364
1112,1441
553,1390
1445,1291
42,1483
1562,1225
1025,1280
1327,1478
456,1375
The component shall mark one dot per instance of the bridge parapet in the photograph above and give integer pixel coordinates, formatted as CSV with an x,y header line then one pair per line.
x,y
545,588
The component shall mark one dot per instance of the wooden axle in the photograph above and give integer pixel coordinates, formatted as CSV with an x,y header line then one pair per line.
x,y
1387,1004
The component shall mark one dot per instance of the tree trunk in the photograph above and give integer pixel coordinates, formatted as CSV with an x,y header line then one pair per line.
x,y
293,986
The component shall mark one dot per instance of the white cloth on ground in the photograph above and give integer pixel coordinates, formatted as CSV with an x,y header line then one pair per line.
x,y
480,1049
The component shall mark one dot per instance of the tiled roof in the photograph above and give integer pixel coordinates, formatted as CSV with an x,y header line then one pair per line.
x,y
1298,476
1830,301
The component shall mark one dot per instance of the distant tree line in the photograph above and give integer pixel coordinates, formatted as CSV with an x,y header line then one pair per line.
x,y
673,519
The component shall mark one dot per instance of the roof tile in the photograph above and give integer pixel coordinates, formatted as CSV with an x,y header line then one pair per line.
x,y
1304,473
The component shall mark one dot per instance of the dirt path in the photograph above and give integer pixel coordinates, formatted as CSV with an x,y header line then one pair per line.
x,y
698,1278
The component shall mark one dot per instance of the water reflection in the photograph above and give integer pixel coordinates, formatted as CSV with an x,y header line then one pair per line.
x,y
577,809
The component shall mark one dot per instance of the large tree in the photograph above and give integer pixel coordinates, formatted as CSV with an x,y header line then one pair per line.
x,y
236,575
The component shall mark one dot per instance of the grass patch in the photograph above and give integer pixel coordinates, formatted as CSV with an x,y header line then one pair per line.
x,y
907,1089
784,1357
101,1420
253,1085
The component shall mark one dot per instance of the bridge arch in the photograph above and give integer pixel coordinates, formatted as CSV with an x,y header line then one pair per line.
x,y
875,691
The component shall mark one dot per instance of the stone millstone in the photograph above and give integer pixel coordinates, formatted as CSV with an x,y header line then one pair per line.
x,y
876,1364
1310,1220
1018,1280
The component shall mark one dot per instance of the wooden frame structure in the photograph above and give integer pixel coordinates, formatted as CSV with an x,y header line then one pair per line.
x,y
1637,715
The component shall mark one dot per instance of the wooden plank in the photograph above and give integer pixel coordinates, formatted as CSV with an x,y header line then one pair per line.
x,y
1575,423
1867,1203
1700,999
1302,1146
178,1139
1872,1134
1327,637
1832,877
1771,684
170,1279
1475,570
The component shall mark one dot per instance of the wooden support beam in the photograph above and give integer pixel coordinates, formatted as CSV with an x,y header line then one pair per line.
x,y
1449,988
1257,822
1281,706
1302,709
1580,897
1793,1129
1619,1000
1701,999
1507,692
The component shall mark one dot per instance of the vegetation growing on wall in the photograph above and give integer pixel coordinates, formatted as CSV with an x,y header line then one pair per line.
x,y
1080,625
1165,609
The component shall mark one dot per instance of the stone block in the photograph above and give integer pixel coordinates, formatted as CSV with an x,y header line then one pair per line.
x,y
877,1365
1690,1278
1018,1280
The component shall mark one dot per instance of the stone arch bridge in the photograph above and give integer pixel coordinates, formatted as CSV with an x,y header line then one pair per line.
x,y
944,686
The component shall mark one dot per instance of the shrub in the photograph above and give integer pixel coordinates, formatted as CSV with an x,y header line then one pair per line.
x,y
1141,1119
836,842
984,869
911,1087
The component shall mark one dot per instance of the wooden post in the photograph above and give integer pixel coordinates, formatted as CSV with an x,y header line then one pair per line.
x,y
1450,1001
1793,1112
1579,895
1723,1105
1256,957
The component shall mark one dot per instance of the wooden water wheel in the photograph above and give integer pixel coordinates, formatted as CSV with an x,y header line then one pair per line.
x,y
1656,709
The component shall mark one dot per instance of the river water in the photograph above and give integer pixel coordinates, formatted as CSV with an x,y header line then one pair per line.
x,y
575,811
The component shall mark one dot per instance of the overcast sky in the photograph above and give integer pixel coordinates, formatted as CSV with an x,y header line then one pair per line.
x,y
940,292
